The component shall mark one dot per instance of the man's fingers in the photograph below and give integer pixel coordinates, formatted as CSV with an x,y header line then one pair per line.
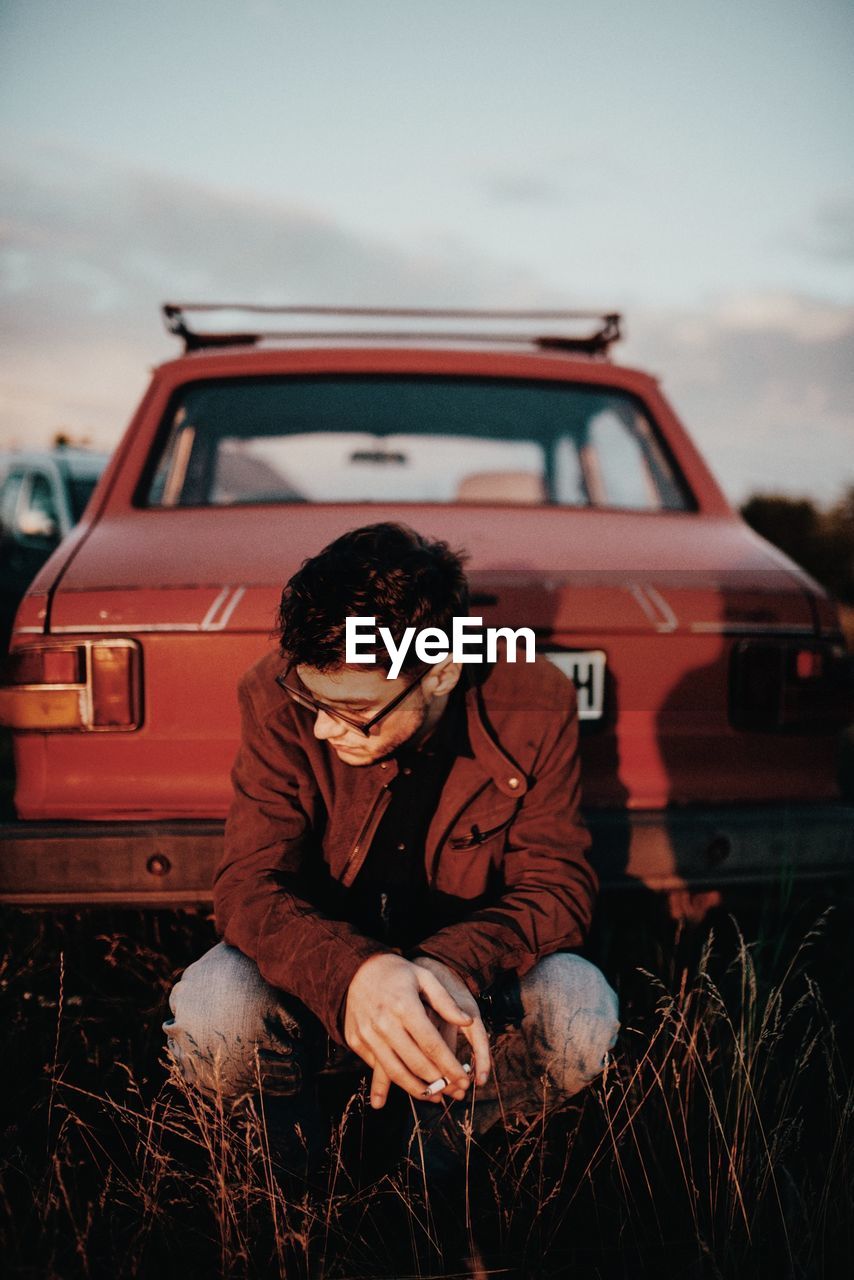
x,y
441,1000
400,1058
447,1030
397,1072
450,1034
437,1047
479,1041
381,1082
471,1025
411,1041
427,1055
380,1085
422,1048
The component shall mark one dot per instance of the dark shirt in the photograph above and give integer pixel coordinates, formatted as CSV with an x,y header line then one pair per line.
x,y
389,899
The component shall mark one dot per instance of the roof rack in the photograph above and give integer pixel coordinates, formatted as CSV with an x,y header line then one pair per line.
x,y
606,328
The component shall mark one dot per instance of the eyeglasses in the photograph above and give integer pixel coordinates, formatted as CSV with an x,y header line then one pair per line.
x,y
304,699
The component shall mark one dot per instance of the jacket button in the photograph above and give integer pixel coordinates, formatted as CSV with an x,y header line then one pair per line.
x,y
513,783
384,764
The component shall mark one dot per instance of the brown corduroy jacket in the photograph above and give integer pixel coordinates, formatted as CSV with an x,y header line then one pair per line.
x,y
507,826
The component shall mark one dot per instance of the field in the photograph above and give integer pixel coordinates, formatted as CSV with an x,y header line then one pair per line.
x,y
719,1144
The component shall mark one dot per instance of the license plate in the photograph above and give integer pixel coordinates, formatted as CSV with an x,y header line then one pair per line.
x,y
586,668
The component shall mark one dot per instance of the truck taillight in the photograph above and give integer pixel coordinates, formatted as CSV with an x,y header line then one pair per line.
x,y
790,685
94,685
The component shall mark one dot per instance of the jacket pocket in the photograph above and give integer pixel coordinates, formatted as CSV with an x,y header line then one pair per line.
x,y
478,837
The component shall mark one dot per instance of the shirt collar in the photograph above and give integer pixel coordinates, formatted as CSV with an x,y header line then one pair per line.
x,y
449,737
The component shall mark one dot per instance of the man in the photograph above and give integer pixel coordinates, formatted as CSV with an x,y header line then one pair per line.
x,y
404,861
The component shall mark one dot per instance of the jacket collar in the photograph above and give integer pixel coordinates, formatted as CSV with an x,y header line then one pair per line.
x,y
508,777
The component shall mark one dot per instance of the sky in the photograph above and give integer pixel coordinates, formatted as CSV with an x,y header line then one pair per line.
x,y
686,162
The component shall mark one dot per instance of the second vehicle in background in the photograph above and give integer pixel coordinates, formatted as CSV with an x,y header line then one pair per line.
x,y
43,493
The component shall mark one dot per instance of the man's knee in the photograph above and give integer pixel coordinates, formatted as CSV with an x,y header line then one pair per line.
x,y
571,1020
229,1032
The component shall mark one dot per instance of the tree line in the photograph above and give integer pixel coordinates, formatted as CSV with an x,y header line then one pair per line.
x,y
820,539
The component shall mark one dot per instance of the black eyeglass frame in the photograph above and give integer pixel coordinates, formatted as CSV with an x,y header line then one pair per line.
x,y
363,726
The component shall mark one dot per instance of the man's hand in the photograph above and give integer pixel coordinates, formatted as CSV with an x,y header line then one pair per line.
x,y
387,1025
475,1033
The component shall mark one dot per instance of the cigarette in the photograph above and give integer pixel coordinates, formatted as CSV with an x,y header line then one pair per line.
x,y
442,1083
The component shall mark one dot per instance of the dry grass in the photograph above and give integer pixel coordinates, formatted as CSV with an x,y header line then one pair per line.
x,y
719,1143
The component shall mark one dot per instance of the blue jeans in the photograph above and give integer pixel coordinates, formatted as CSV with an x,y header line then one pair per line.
x,y
550,1031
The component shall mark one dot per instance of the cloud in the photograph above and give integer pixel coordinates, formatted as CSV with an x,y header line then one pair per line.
x,y
830,234
90,248
97,235
521,189
809,321
765,383
582,175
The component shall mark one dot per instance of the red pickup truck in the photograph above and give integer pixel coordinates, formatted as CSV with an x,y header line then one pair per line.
x,y
711,669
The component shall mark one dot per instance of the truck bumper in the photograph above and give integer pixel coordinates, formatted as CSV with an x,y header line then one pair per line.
x,y
172,863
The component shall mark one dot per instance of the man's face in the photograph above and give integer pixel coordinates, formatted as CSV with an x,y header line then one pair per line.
x,y
360,694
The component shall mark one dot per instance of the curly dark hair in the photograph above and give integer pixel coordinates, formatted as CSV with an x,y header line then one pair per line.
x,y
384,571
